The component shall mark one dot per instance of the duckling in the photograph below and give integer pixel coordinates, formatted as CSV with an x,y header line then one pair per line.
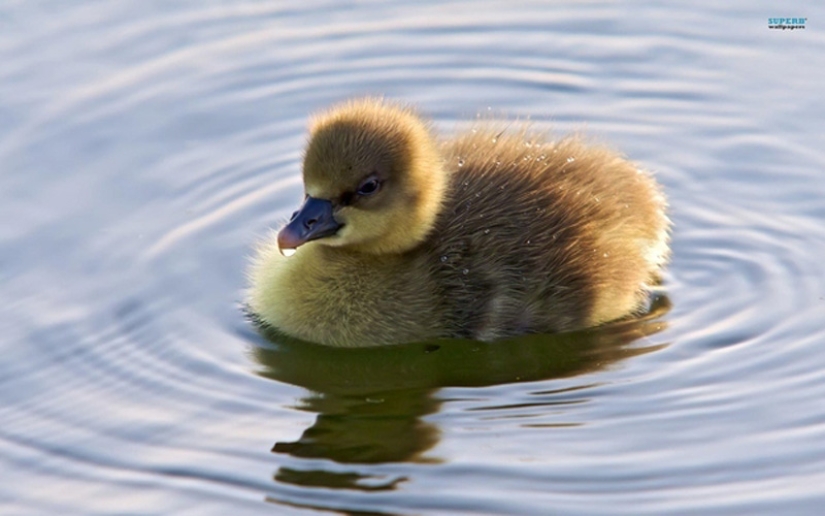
x,y
489,235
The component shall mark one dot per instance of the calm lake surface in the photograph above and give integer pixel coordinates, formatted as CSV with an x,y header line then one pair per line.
x,y
145,146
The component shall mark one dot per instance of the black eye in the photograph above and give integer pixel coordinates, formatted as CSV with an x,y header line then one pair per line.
x,y
369,187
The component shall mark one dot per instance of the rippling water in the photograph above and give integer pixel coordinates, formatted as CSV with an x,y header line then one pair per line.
x,y
145,146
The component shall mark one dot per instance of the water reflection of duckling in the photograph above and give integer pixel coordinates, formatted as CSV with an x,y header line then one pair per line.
x,y
485,236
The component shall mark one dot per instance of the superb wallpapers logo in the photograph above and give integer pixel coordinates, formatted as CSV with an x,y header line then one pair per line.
x,y
787,23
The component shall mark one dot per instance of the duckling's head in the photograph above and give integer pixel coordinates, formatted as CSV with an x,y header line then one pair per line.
x,y
373,180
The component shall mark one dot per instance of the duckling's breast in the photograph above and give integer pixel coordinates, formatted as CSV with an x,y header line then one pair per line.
x,y
346,299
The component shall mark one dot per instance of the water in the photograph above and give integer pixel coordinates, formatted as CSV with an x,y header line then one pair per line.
x,y
145,147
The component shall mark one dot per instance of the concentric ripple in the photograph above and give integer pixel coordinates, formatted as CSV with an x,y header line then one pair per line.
x,y
145,147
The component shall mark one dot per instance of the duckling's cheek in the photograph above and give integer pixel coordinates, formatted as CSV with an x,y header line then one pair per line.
x,y
344,236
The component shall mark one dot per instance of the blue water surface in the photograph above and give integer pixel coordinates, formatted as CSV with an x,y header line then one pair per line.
x,y
145,146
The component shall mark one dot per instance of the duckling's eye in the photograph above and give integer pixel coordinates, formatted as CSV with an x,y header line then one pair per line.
x,y
369,187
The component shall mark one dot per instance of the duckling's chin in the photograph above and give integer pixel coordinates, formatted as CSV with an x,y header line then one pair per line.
x,y
352,240
346,239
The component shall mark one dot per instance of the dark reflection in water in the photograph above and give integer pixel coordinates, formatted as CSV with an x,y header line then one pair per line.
x,y
320,508
376,428
370,401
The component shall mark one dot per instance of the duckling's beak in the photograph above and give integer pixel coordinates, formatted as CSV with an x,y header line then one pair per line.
x,y
313,221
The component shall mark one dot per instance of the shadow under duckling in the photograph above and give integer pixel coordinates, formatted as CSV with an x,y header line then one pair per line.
x,y
403,238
